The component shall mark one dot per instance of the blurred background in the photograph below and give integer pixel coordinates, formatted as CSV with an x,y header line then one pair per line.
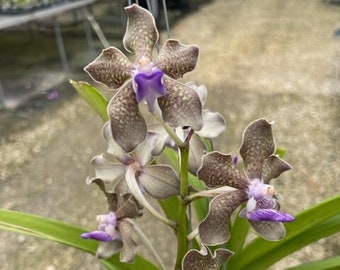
x,y
262,58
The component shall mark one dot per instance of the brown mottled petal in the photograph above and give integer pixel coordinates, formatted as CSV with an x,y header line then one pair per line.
x,y
198,260
141,33
121,188
214,229
111,67
107,171
181,105
218,170
257,145
271,231
160,181
129,248
175,59
143,151
163,138
272,167
213,125
128,208
127,123
112,147
111,198
107,249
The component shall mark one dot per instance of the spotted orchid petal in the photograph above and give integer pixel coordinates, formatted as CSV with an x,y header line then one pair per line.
x,y
111,198
163,138
201,90
181,105
143,152
149,86
258,144
204,259
214,229
112,147
160,181
141,33
269,215
127,123
272,167
107,171
107,249
213,125
272,231
176,59
219,170
111,67
129,249
128,207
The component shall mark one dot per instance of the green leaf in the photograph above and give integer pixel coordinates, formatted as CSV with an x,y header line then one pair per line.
x,y
281,152
326,264
172,156
93,97
319,221
238,232
63,233
170,207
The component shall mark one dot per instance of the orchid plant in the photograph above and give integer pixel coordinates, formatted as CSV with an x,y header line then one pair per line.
x,y
152,115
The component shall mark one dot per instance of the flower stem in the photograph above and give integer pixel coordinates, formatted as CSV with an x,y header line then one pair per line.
x,y
147,243
182,219
172,134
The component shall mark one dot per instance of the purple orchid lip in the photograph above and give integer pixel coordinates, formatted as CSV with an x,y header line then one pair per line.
x,y
270,215
149,86
98,235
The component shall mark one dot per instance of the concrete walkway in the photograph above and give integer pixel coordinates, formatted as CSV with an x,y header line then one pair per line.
x,y
274,59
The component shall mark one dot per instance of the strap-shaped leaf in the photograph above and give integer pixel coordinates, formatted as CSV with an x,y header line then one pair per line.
x,y
93,97
63,233
329,263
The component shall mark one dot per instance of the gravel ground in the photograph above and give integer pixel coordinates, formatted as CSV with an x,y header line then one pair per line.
x,y
274,59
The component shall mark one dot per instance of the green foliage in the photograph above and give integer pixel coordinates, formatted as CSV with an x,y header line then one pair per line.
x,y
63,233
327,264
93,97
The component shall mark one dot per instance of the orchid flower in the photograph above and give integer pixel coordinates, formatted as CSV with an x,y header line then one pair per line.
x,y
147,79
115,231
134,174
262,208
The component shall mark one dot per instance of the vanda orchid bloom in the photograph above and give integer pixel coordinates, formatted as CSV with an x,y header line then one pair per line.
x,y
115,230
261,165
134,174
147,79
